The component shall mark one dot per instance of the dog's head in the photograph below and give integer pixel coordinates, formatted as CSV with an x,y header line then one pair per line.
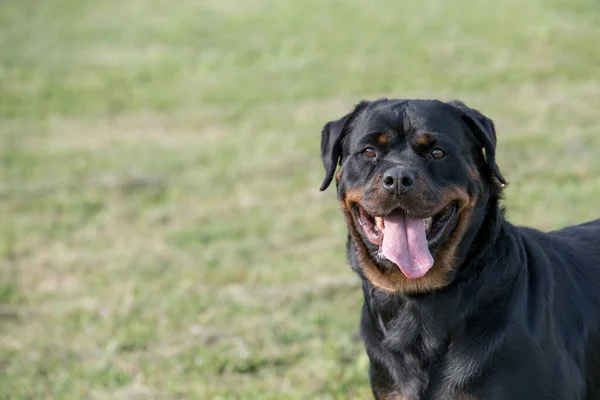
x,y
414,177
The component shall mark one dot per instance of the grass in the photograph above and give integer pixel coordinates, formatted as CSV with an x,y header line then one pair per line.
x,y
161,231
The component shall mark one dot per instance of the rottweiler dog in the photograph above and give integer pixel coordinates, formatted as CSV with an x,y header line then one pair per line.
x,y
459,303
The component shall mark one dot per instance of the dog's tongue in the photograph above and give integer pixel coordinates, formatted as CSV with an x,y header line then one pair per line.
x,y
405,244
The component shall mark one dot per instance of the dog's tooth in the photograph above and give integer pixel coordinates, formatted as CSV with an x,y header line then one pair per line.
x,y
427,223
379,223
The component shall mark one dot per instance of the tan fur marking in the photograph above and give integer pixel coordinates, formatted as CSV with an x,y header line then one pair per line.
x,y
338,175
474,174
383,139
446,256
391,396
424,139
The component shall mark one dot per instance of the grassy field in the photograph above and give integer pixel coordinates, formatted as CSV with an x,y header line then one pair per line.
x,y
162,235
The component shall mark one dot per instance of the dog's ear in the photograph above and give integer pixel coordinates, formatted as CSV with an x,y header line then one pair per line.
x,y
485,134
332,136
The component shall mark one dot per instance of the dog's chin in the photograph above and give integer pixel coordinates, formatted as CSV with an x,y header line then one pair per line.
x,y
438,228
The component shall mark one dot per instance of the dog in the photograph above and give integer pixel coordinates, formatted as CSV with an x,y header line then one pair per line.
x,y
458,302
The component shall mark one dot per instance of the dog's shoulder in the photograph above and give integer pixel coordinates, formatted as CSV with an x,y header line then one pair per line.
x,y
567,263
574,247
586,235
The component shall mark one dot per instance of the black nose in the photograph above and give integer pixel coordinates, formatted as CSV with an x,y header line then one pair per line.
x,y
398,180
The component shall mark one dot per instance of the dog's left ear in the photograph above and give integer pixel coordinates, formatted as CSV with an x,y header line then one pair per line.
x,y
331,143
485,133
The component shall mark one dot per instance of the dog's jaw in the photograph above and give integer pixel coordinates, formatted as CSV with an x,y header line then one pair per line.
x,y
392,279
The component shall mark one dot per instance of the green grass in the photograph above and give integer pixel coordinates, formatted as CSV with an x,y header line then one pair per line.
x,y
161,231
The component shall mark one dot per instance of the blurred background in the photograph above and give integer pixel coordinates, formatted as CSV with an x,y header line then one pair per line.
x,y
162,235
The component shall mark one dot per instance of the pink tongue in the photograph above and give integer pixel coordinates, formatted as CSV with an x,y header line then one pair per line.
x,y
405,244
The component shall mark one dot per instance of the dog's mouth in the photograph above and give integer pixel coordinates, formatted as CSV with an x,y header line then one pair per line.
x,y
408,241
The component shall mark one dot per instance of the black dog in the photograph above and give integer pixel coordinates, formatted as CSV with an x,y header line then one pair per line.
x,y
459,303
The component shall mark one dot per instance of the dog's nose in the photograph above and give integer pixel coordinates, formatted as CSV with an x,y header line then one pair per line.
x,y
398,180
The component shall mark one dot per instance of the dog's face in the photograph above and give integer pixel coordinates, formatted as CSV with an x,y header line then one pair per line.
x,y
413,175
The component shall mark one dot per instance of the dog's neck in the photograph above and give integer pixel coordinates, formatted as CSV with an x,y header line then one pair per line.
x,y
481,239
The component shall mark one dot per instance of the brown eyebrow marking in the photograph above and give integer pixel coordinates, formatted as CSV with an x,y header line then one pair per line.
x,y
383,139
426,139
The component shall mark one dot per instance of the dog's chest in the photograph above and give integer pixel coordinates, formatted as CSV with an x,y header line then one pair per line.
x,y
415,357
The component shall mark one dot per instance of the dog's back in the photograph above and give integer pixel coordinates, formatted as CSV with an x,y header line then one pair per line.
x,y
578,303
563,295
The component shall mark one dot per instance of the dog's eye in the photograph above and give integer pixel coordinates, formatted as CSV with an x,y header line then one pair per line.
x,y
369,152
437,153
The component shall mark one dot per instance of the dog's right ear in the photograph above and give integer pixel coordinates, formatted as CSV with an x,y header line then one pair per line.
x,y
331,143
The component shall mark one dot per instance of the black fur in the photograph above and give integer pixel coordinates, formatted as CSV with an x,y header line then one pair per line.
x,y
520,317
